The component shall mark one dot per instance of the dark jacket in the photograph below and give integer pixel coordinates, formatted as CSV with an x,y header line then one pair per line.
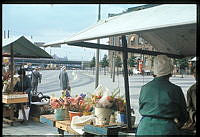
x,y
23,86
191,106
36,77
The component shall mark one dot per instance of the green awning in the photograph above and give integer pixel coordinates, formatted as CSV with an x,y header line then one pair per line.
x,y
24,48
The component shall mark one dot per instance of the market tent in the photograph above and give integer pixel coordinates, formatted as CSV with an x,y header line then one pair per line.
x,y
170,28
23,47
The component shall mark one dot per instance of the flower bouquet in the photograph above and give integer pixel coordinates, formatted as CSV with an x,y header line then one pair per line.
x,y
77,105
105,103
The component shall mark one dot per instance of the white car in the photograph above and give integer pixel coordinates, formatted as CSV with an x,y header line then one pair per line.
x,y
135,71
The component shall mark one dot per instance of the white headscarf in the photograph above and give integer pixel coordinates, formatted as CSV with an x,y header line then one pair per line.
x,y
162,66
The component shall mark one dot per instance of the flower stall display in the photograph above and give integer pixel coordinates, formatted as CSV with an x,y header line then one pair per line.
x,y
76,106
59,105
105,103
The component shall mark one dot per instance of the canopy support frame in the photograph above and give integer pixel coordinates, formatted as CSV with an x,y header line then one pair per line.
x,y
116,48
126,82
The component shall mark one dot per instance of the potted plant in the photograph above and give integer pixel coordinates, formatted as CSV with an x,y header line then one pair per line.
x,y
121,108
59,105
78,105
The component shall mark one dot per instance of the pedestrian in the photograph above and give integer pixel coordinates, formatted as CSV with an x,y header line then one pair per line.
x,y
24,83
191,105
64,79
182,70
161,103
35,79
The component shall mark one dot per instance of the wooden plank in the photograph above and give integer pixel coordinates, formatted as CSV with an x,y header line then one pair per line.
x,y
15,100
34,118
7,120
95,130
48,119
65,125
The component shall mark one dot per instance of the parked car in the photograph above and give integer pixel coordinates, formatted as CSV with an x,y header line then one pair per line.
x,y
135,71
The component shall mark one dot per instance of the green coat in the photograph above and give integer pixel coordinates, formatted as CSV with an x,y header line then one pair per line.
x,y
160,98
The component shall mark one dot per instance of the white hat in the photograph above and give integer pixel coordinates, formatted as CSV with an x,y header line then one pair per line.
x,y
63,68
162,66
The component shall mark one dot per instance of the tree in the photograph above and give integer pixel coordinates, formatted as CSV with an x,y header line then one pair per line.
x,y
182,64
104,63
132,61
92,63
118,63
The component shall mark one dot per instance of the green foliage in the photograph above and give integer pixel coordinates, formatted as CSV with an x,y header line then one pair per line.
x,y
92,63
104,62
118,62
132,61
182,63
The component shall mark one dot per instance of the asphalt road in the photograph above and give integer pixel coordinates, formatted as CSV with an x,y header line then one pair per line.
x,y
50,80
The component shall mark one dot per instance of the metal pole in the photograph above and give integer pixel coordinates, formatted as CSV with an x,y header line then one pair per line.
x,y
112,56
8,34
126,82
4,34
113,66
97,53
11,69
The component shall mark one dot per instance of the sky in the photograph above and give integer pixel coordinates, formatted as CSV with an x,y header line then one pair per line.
x,y
53,22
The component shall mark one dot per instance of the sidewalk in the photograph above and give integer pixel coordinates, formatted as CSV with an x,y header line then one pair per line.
x,y
31,128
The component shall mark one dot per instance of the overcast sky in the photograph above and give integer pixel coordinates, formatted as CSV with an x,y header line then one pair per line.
x,y
48,23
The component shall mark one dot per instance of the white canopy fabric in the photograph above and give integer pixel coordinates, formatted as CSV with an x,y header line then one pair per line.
x,y
193,59
170,28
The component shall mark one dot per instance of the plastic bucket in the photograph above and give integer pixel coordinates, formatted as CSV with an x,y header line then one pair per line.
x,y
123,118
71,114
103,115
66,113
59,114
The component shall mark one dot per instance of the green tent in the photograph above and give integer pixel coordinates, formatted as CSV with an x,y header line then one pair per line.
x,y
24,48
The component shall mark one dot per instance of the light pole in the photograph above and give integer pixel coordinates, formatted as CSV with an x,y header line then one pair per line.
x,y
97,52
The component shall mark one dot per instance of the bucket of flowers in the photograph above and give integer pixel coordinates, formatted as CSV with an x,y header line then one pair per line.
x,y
78,105
59,105
105,104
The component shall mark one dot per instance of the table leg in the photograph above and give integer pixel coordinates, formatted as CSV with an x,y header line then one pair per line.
x,y
11,112
23,112
60,131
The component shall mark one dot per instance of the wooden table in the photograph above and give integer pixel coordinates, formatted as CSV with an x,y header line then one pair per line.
x,y
60,125
13,98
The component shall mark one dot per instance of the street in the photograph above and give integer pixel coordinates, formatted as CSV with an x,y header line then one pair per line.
x,y
83,81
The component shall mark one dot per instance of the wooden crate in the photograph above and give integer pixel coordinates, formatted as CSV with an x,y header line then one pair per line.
x,y
65,125
15,98
97,130
48,119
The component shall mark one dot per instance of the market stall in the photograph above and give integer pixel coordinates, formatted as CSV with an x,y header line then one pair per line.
x,y
23,48
166,33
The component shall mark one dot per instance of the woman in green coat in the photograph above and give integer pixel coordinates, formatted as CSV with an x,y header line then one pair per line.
x,y
161,103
